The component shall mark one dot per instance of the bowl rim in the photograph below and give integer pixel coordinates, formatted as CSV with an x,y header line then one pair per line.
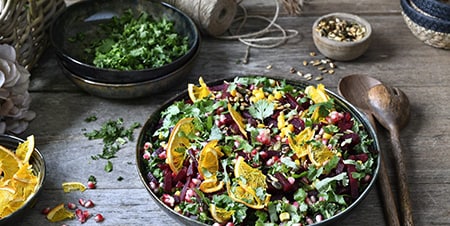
x,y
13,140
341,101
131,84
427,22
435,8
346,16
61,52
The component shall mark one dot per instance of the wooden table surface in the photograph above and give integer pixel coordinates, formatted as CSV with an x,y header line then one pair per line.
x,y
395,57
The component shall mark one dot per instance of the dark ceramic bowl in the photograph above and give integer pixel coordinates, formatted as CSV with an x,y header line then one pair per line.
x,y
84,18
432,30
435,8
38,163
151,124
132,89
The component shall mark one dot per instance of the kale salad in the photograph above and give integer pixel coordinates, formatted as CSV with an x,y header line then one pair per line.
x,y
258,151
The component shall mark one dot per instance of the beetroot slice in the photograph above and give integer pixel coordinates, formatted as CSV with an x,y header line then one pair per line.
x,y
354,188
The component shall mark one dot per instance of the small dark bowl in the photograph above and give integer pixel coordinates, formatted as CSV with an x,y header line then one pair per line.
x,y
151,125
134,89
85,17
38,163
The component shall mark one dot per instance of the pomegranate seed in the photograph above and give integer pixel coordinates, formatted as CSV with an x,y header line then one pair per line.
x,y
162,155
86,214
46,210
89,204
91,185
99,218
263,154
81,201
71,205
80,216
147,145
168,200
146,155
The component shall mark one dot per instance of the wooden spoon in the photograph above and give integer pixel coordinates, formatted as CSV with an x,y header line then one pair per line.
x,y
391,108
354,88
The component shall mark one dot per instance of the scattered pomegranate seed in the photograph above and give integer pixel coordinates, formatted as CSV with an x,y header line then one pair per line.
x,y
91,185
89,204
86,214
81,201
46,210
99,218
71,205
80,215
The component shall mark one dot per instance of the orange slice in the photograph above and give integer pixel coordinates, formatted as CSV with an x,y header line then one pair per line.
x,y
238,119
320,155
298,142
25,149
9,163
60,213
249,179
178,143
211,185
209,159
221,215
73,186
317,95
6,195
253,177
198,92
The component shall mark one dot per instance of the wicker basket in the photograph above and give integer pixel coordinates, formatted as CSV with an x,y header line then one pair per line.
x,y
24,24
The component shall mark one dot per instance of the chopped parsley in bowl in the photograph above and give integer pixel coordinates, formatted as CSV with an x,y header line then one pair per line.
x,y
118,42
257,150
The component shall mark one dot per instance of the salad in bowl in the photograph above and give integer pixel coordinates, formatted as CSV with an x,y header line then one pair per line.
x,y
257,151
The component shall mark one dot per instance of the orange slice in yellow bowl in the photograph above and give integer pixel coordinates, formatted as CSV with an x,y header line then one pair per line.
x,y
9,163
25,149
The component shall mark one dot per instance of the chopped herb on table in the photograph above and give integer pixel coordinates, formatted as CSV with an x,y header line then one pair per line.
x,y
137,43
114,136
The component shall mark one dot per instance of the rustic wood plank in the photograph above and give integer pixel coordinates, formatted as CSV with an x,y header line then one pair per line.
x,y
395,57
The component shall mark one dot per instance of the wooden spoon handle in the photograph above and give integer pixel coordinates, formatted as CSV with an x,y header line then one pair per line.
x,y
390,208
405,201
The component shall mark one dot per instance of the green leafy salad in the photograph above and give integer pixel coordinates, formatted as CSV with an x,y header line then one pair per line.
x,y
258,151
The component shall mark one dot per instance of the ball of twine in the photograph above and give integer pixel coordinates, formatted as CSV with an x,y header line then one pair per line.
x,y
213,17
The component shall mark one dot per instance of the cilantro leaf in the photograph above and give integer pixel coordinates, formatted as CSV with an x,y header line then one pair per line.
x,y
261,109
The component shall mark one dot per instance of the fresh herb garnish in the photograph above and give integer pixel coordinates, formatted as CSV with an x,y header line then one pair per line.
x,y
114,136
261,109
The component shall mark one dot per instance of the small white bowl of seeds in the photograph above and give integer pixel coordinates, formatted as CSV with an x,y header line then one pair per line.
x,y
341,36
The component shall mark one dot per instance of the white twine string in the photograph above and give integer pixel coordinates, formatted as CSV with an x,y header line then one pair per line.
x,y
254,39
